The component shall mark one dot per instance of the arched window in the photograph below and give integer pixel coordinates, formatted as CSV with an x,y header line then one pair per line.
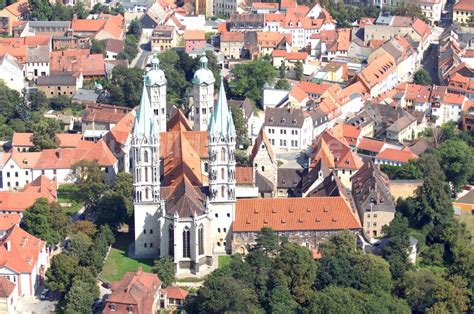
x,y
222,191
222,154
222,173
145,156
171,241
186,243
146,174
201,240
146,194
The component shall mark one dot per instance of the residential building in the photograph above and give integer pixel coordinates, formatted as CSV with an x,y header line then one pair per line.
x,y
59,84
246,22
263,159
394,157
446,107
270,41
371,194
380,75
78,61
24,260
288,128
226,8
232,44
289,59
8,296
468,116
12,13
194,39
262,7
16,202
101,117
113,47
37,62
105,26
462,11
21,142
163,38
45,28
306,221
432,10
403,129
332,151
11,72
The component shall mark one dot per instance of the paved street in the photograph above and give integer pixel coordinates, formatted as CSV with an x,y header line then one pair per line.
x,y
430,63
35,305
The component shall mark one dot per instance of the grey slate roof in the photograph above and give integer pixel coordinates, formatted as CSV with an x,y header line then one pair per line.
x,y
284,117
263,184
57,80
49,24
289,178
37,54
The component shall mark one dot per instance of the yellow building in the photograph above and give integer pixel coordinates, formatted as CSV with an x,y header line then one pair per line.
x,y
463,11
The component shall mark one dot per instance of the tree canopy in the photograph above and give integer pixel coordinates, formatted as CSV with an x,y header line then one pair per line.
x,y
164,269
422,77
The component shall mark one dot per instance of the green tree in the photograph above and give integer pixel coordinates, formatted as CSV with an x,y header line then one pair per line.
x,y
335,299
397,250
282,84
240,124
164,269
126,86
135,28
38,101
267,241
299,70
80,10
407,171
282,70
294,268
61,12
86,227
423,290
40,9
249,78
123,186
130,49
9,99
79,246
280,301
422,77
22,109
111,209
220,294
46,221
457,160
81,296
241,157
98,46
60,102
61,272
88,176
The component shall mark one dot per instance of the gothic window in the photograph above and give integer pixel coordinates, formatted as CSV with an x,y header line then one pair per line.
x,y
145,156
222,173
171,241
201,240
222,154
146,194
222,191
186,243
146,174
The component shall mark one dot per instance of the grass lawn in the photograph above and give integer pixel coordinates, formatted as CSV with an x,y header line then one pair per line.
x,y
467,218
224,260
68,199
118,263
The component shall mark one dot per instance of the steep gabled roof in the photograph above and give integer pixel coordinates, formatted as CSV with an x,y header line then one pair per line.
x,y
179,122
262,138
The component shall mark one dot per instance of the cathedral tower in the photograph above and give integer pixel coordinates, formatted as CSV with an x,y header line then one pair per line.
x,y
222,172
155,81
203,95
145,166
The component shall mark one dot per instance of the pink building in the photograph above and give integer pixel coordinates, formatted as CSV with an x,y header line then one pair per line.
x,y
194,39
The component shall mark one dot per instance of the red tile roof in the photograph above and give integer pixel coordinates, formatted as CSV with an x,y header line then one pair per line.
x,y
464,5
23,251
244,175
232,37
313,88
6,288
391,154
421,28
42,187
371,145
298,93
294,214
176,293
66,140
264,5
77,61
9,220
194,35
262,138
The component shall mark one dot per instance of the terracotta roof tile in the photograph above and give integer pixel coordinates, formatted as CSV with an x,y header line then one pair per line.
x,y
464,5
313,88
8,220
371,145
173,292
6,288
232,37
298,93
194,35
396,155
262,138
24,250
244,175
294,214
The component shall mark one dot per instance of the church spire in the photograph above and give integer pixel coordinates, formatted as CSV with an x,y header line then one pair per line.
x,y
144,122
222,124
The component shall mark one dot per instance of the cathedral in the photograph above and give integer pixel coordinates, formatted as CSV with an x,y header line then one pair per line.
x,y
184,177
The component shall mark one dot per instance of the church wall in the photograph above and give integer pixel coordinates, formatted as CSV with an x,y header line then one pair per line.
x,y
147,229
264,165
223,215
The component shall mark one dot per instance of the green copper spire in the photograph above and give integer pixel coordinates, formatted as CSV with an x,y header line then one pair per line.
x,y
144,121
221,124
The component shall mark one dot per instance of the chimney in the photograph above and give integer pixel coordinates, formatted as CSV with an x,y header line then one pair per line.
x,y
58,154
